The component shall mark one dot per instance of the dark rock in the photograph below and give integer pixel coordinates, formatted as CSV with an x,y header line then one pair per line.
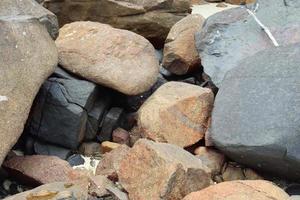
x,y
75,160
67,109
256,117
232,35
110,122
42,148
90,149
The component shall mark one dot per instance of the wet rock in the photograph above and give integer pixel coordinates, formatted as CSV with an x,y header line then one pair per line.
x,y
167,171
151,19
65,110
180,53
27,57
241,190
176,113
104,55
38,169
254,125
224,41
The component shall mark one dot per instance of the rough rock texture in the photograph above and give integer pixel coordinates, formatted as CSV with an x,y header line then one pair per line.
x,y
151,19
180,53
38,169
256,117
27,57
240,190
176,113
67,109
115,58
238,2
230,36
161,171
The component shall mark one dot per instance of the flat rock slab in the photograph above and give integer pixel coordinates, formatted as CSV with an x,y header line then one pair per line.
x,y
114,58
27,57
232,35
256,117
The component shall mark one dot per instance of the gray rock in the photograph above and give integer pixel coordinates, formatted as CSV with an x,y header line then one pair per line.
x,y
29,9
256,118
232,35
42,148
66,110
28,56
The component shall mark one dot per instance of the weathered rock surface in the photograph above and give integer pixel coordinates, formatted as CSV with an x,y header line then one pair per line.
x,y
224,41
115,58
240,190
256,117
67,109
161,171
151,19
238,2
176,113
180,53
27,57
38,169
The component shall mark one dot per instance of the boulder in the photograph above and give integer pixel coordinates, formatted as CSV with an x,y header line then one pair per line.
x,y
38,169
240,190
180,53
151,19
176,113
115,58
224,41
27,57
161,171
256,117
65,110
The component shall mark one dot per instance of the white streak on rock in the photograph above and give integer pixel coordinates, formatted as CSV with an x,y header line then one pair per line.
x,y
3,98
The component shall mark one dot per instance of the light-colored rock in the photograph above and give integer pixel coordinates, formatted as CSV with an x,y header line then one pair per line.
x,y
176,113
209,9
115,58
180,53
108,146
161,171
240,190
238,2
151,19
27,57
40,169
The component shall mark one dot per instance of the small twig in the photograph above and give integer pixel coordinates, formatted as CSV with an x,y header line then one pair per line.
x,y
267,31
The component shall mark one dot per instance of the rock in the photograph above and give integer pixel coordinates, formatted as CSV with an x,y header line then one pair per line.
x,y
78,190
110,122
211,158
294,197
239,2
151,19
104,55
180,53
209,9
121,136
251,175
224,41
232,173
90,149
109,146
63,110
98,185
110,164
27,57
240,190
38,169
75,160
254,125
176,113
161,171
28,10
42,148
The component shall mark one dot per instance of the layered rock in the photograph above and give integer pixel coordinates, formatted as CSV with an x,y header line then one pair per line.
x,y
161,171
180,53
256,117
151,19
240,190
176,113
27,57
115,58
224,41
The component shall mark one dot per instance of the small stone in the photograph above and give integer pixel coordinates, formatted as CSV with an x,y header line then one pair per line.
x,y
75,160
250,174
121,136
109,146
232,173
90,149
